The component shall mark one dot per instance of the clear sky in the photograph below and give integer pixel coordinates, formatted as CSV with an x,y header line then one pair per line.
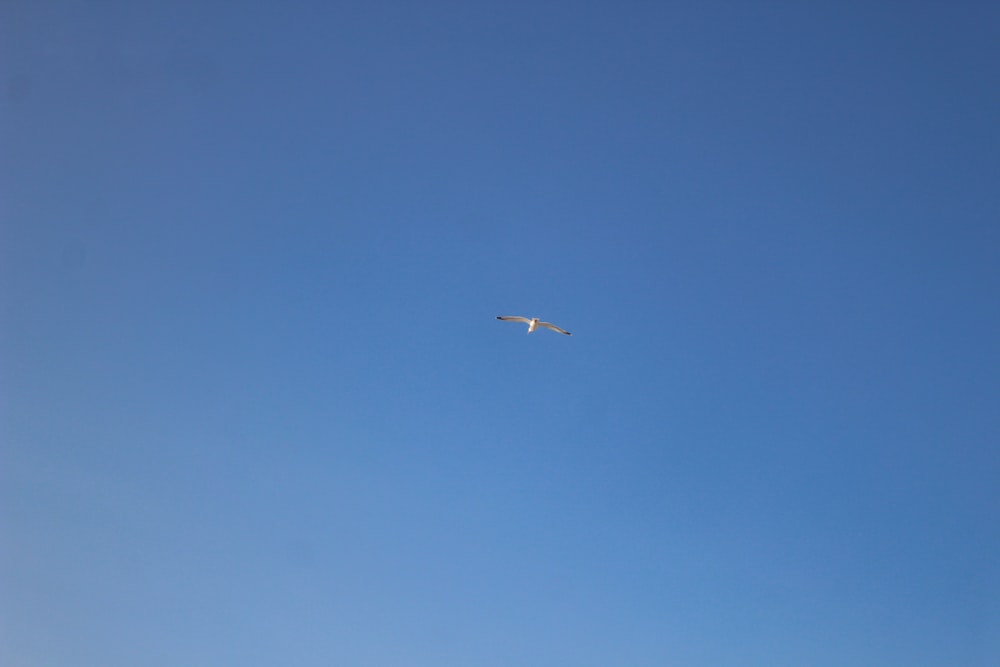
x,y
255,407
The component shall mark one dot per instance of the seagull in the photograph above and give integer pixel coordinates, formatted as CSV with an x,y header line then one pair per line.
x,y
533,323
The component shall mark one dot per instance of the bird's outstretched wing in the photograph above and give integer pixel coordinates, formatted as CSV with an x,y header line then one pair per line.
x,y
513,318
549,325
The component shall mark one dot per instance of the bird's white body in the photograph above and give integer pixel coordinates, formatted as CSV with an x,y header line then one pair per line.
x,y
533,323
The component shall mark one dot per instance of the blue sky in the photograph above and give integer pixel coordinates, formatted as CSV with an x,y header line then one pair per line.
x,y
256,408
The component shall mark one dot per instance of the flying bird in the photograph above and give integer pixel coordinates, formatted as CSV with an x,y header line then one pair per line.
x,y
533,323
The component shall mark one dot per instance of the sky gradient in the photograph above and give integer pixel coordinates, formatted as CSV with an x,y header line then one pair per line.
x,y
255,407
